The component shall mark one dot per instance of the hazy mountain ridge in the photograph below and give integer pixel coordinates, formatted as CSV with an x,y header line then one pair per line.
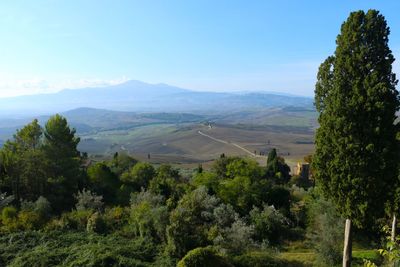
x,y
134,104
143,97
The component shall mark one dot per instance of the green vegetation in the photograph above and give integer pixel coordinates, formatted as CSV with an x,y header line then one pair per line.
x,y
130,213
356,158
123,212
59,208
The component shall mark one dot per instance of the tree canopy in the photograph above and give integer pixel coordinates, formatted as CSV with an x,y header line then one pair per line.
x,y
356,148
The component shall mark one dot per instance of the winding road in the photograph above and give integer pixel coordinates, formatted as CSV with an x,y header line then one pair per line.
x,y
229,143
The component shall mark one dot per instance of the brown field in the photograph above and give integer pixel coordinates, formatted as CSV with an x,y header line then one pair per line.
x,y
185,146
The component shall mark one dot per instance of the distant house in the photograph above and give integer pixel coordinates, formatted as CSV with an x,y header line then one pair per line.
x,y
303,170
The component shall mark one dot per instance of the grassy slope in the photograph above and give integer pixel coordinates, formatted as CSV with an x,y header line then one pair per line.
x,y
308,258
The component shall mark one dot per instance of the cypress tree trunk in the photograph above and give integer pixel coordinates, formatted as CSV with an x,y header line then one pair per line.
x,y
394,223
347,244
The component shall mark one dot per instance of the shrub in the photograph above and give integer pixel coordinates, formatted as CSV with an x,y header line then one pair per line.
x,y
325,231
139,175
200,257
8,213
42,207
87,200
190,222
29,220
96,224
269,224
149,217
66,248
258,259
74,220
116,217
9,219
225,215
27,205
236,239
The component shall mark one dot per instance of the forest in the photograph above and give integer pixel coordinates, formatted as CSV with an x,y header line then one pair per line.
x,y
60,207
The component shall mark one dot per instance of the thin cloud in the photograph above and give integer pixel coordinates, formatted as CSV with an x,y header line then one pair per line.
x,y
15,87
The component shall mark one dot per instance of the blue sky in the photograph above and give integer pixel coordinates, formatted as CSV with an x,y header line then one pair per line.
x,y
213,45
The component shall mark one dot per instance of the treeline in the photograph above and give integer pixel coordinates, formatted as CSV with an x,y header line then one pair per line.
x,y
56,203
43,162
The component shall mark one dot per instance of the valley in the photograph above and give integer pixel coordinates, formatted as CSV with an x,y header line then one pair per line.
x,y
188,139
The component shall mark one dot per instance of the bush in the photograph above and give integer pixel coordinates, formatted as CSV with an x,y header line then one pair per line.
x,y
29,220
235,239
258,259
74,220
200,257
9,219
191,222
65,248
325,231
87,200
116,217
8,213
149,217
42,207
270,225
139,175
96,224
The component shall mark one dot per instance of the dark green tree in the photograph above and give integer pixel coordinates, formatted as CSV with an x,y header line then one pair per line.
x,y
220,165
24,163
277,168
139,175
122,162
104,182
356,149
168,183
65,177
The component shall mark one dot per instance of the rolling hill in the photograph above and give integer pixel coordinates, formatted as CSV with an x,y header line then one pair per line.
x,y
165,121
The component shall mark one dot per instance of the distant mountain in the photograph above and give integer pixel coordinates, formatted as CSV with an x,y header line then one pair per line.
x,y
143,97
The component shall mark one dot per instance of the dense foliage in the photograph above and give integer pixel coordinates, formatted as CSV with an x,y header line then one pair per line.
x,y
59,207
356,159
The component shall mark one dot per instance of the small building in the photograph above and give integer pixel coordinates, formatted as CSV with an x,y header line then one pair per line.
x,y
303,170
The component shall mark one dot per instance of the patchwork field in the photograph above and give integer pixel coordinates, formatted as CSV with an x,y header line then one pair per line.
x,y
198,143
188,139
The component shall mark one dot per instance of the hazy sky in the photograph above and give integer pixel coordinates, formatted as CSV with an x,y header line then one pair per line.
x,y
210,45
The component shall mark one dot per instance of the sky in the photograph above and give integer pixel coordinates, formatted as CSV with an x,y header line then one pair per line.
x,y
206,45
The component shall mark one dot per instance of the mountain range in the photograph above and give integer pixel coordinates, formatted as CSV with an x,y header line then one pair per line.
x,y
143,97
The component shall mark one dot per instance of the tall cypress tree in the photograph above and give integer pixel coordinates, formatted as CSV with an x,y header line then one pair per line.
x,y
356,148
